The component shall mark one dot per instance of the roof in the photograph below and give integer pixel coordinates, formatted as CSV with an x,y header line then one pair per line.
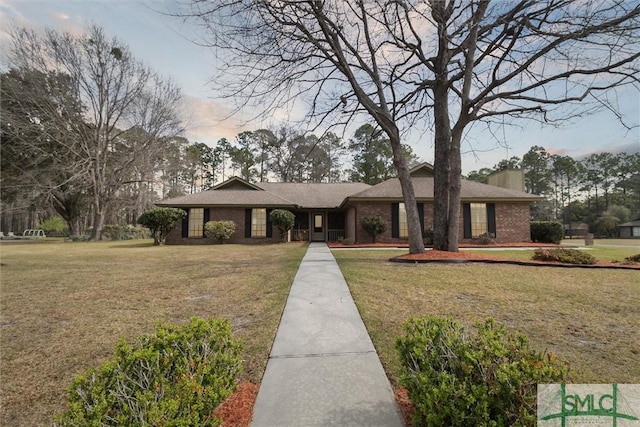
x,y
238,192
635,223
423,188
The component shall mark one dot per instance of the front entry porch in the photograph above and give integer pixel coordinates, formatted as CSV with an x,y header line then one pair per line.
x,y
318,226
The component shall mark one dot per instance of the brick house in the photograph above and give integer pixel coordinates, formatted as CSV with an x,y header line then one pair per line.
x,y
331,212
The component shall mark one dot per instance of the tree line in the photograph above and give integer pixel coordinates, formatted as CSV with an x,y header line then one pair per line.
x,y
601,190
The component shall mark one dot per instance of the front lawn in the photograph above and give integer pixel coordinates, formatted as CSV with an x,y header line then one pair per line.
x,y
589,317
65,305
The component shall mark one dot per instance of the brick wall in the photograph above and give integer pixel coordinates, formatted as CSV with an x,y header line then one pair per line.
x,y
512,222
221,214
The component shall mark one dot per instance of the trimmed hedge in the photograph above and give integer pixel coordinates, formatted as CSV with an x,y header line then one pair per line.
x,y
546,231
220,230
176,377
567,256
489,379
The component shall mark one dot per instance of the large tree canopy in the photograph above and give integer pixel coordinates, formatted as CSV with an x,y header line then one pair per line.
x,y
444,64
96,111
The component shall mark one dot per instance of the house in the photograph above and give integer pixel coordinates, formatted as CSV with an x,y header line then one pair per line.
x,y
331,212
630,230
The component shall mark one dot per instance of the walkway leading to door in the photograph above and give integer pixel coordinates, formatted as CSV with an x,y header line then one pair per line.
x,y
323,369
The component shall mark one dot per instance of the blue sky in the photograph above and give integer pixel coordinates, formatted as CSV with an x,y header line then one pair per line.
x,y
164,43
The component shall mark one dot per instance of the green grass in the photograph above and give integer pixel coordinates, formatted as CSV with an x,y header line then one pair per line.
x,y
589,317
64,306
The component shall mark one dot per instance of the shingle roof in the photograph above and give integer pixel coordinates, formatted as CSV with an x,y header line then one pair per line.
x,y
237,192
310,195
228,198
423,187
301,195
635,223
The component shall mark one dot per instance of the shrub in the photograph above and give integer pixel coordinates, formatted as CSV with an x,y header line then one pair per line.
x,y
161,221
483,239
567,256
427,236
283,220
489,379
546,231
632,259
176,377
220,230
55,225
374,225
125,232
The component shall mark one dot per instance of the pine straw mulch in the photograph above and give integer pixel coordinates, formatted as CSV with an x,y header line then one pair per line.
x,y
237,409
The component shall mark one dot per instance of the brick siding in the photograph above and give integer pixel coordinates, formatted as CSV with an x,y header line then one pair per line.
x,y
512,222
221,214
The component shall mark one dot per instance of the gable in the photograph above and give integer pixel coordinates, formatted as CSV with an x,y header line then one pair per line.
x,y
235,183
423,170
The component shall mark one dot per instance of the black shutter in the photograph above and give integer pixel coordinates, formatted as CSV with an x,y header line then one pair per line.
x,y
185,224
205,219
395,222
269,226
421,216
466,219
491,219
247,223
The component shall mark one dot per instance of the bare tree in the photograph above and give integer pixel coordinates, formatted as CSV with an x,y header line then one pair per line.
x,y
117,94
438,63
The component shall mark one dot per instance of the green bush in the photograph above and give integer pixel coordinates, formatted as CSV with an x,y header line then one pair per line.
x,y
374,225
488,379
283,220
427,236
125,232
632,259
220,230
176,377
546,231
55,225
161,221
567,256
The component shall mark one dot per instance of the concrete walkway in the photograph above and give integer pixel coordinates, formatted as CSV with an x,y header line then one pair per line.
x,y
323,369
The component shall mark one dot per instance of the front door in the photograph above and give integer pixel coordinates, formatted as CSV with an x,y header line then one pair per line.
x,y
317,227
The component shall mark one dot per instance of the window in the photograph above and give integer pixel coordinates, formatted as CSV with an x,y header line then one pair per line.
x,y
196,219
478,219
259,222
402,222
635,232
317,223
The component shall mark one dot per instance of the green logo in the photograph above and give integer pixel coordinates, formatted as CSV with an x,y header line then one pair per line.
x,y
569,405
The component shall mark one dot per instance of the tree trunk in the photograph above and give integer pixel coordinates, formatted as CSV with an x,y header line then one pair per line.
x,y
442,173
98,220
416,244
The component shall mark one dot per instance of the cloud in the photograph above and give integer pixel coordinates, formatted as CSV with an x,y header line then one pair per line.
x,y
207,120
60,16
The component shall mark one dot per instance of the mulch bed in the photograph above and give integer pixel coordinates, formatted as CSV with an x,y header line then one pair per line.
x,y
465,257
338,245
237,409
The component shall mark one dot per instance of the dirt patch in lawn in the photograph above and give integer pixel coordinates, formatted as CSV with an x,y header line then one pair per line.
x,y
444,256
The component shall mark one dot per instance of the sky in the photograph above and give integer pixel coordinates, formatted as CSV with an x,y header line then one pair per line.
x,y
165,43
